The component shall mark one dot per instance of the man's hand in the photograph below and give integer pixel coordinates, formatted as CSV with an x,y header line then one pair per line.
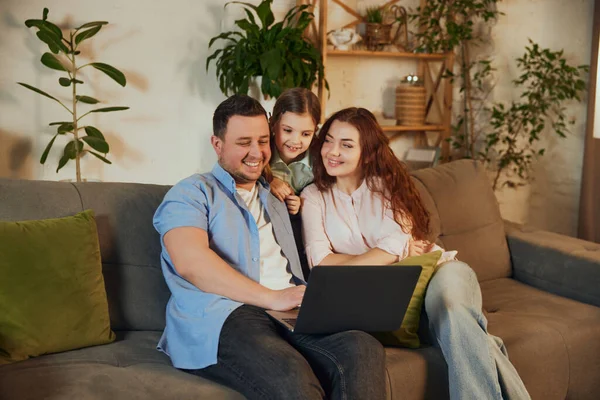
x,y
293,203
286,299
418,247
281,189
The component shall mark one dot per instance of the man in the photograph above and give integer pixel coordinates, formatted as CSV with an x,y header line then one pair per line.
x,y
229,254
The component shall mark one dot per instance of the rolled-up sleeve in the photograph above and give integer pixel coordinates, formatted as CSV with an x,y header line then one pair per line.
x,y
184,205
316,241
393,239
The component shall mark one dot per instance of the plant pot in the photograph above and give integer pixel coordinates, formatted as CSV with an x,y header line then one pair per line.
x,y
377,36
255,92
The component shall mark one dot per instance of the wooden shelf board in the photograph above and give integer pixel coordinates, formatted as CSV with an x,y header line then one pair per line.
x,y
405,128
398,54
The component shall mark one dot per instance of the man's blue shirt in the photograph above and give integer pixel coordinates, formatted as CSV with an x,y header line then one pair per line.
x,y
210,202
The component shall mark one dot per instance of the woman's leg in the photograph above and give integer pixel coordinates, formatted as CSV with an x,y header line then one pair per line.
x,y
478,366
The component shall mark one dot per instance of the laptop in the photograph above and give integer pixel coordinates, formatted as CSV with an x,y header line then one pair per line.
x,y
350,297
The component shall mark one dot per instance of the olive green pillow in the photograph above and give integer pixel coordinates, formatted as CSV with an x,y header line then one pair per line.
x,y
406,335
52,295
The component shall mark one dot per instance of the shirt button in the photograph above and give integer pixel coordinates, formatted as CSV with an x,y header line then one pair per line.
x,y
254,259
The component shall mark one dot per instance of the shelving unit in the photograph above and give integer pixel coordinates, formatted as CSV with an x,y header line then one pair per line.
x,y
434,80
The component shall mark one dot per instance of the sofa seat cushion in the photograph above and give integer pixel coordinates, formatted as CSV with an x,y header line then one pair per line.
x,y
551,340
130,368
416,374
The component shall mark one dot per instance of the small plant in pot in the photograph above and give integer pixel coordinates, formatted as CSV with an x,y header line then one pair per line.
x,y
275,51
86,138
378,31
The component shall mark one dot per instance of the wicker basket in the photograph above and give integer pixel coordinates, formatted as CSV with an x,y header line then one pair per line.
x,y
377,35
410,104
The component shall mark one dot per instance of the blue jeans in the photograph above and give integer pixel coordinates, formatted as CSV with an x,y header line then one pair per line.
x,y
262,360
478,364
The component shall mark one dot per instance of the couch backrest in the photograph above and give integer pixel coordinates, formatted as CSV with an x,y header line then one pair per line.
x,y
464,213
465,216
130,246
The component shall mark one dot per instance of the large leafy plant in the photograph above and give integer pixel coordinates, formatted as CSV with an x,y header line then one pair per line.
x,y
92,141
511,143
276,51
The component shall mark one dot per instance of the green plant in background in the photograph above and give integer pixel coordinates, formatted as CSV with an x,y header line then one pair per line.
x,y
548,82
374,15
276,51
67,49
459,26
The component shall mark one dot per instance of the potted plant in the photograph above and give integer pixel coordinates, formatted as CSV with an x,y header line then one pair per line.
x,y
67,49
378,31
275,51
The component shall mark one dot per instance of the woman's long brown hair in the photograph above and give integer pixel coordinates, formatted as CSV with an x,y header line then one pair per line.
x,y
385,174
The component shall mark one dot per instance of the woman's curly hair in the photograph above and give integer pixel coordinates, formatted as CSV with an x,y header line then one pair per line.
x,y
385,174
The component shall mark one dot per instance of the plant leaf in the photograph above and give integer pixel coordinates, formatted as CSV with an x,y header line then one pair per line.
x,y
62,162
64,82
44,26
45,13
59,123
64,128
86,34
47,150
50,40
87,99
96,144
112,72
76,81
50,61
109,109
37,90
100,157
90,24
94,132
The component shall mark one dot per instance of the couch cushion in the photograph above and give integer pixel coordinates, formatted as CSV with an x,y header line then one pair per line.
x,y
416,374
129,368
52,295
469,216
552,341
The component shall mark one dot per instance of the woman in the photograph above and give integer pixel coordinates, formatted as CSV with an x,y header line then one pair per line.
x,y
363,209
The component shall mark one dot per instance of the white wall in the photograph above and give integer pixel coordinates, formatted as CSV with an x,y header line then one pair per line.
x,y
162,49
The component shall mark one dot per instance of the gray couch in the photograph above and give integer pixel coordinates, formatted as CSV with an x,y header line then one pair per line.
x,y
541,294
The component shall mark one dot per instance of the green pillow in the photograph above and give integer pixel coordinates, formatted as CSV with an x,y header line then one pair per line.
x,y
52,295
406,335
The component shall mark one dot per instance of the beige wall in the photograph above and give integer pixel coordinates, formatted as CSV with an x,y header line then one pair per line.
x,y
162,48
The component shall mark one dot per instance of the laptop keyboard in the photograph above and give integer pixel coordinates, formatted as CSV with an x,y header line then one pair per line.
x,y
290,321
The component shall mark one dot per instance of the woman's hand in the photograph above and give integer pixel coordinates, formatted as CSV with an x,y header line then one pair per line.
x,y
293,203
280,189
418,247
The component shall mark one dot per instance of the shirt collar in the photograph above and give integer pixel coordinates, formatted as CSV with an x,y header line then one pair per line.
x,y
227,180
357,194
304,160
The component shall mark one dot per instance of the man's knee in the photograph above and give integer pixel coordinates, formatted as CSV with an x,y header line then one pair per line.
x,y
362,351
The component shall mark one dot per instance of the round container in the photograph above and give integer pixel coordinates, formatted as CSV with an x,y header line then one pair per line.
x,y
410,104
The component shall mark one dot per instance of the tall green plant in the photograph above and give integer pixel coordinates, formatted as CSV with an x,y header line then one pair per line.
x,y
276,51
67,47
548,82
459,26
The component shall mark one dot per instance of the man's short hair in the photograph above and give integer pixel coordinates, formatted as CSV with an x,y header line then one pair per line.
x,y
238,104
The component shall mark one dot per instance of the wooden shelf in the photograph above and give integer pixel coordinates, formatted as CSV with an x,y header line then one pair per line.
x,y
406,128
389,54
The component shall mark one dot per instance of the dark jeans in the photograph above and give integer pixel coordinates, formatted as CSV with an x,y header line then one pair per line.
x,y
262,360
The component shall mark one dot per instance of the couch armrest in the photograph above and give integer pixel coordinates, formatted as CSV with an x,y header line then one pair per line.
x,y
555,263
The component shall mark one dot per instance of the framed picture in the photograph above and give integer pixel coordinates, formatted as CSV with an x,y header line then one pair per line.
x,y
421,157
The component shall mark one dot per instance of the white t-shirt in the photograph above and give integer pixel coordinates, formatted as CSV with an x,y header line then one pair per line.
x,y
273,265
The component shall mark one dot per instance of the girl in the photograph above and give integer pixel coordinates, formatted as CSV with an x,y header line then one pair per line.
x,y
364,209
293,124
